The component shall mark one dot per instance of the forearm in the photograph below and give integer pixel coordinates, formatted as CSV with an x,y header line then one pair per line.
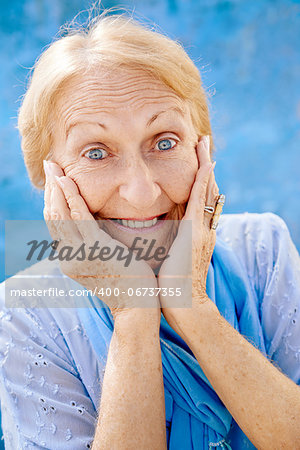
x,y
262,400
132,409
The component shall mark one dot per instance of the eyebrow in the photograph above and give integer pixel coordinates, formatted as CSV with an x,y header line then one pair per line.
x,y
83,122
150,121
155,116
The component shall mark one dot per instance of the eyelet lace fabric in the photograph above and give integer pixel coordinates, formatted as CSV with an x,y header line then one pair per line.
x,y
51,377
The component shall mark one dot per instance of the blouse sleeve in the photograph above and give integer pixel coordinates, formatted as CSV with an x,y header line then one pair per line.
x,y
43,400
278,289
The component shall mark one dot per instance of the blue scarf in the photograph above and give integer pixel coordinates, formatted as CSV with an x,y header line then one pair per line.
x,y
196,418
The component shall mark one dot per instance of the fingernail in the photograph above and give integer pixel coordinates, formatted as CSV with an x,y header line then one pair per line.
x,y
206,142
46,167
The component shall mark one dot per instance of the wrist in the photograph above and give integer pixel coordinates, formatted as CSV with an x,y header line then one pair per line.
x,y
204,318
137,322
193,324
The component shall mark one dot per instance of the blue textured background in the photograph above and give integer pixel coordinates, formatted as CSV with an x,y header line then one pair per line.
x,y
249,54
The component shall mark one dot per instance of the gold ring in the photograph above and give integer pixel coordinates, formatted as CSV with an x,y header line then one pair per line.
x,y
218,210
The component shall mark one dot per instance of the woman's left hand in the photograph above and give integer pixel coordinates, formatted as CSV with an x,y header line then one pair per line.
x,y
190,258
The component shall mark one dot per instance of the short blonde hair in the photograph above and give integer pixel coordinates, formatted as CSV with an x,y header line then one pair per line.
x,y
108,42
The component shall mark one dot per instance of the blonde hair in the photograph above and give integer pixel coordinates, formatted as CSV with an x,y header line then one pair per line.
x,y
107,42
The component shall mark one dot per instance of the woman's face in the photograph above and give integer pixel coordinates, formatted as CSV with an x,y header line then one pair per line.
x,y
128,142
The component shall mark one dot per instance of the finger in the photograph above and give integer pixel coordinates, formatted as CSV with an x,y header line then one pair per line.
x,y
60,222
51,169
197,199
212,194
203,151
212,190
55,169
66,228
59,206
46,191
80,213
47,202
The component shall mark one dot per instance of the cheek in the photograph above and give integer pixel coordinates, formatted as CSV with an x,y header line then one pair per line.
x,y
177,178
96,188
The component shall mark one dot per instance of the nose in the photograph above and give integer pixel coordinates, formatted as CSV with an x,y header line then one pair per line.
x,y
138,185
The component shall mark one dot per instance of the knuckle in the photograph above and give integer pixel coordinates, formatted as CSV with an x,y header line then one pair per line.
x,y
216,190
204,169
75,214
199,175
202,196
69,197
74,201
55,215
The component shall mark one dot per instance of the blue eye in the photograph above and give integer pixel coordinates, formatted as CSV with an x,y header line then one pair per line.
x,y
165,144
96,153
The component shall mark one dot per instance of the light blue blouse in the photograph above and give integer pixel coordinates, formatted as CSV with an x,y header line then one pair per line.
x,y
51,377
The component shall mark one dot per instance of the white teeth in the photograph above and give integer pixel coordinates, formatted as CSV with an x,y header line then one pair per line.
x,y
137,223
148,223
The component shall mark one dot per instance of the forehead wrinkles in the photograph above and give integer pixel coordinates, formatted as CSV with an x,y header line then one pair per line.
x,y
104,95
120,83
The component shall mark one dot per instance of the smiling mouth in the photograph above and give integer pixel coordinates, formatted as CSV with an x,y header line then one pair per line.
x,y
141,223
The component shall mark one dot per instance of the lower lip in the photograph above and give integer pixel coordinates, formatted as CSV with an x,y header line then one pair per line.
x,y
155,227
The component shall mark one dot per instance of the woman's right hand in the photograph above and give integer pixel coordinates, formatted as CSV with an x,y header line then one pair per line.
x,y
71,224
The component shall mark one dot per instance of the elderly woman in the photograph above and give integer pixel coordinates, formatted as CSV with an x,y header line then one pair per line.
x,y
208,356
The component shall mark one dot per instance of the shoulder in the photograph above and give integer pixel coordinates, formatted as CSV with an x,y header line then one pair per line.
x,y
253,232
262,243
250,225
21,321
46,334
247,233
